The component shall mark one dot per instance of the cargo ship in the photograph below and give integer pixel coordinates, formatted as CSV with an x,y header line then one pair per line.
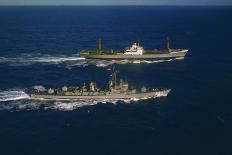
x,y
135,52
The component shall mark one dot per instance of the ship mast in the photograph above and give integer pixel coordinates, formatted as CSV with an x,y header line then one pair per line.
x,y
114,76
100,43
168,43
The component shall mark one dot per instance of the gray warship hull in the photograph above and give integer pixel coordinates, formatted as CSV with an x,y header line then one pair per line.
x,y
109,95
171,55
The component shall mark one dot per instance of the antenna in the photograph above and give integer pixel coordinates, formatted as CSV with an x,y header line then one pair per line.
x,y
100,43
114,75
168,43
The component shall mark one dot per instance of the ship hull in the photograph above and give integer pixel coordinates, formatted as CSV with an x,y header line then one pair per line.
x,y
113,96
177,54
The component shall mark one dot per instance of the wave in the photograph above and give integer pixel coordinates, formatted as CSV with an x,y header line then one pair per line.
x,y
29,59
70,61
70,105
13,95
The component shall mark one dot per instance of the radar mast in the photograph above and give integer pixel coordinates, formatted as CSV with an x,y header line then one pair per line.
x,y
100,43
114,76
168,43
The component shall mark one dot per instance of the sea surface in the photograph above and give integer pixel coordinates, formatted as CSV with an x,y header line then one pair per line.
x,y
39,46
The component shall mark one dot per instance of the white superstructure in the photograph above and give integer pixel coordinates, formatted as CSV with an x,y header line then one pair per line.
x,y
135,49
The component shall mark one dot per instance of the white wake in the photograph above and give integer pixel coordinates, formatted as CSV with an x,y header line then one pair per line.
x,y
13,95
70,61
19,100
28,59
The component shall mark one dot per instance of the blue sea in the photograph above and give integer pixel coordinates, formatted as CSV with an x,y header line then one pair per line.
x,y
39,46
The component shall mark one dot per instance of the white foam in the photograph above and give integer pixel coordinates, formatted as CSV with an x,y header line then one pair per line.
x,y
29,59
13,95
159,61
56,59
99,63
69,106
16,101
70,61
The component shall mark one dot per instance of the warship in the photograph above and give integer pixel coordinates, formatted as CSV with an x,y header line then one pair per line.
x,y
135,52
117,90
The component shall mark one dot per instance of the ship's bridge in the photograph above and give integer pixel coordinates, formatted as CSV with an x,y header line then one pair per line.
x,y
135,49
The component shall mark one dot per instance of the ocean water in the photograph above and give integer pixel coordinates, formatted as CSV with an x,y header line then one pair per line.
x,y
39,46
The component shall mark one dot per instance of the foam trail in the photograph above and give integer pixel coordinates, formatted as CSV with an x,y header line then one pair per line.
x,y
57,59
70,61
13,95
19,100
69,106
73,105
29,59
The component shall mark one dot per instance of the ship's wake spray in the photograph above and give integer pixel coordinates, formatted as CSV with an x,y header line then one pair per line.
x,y
38,58
16,100
13,95
69,61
